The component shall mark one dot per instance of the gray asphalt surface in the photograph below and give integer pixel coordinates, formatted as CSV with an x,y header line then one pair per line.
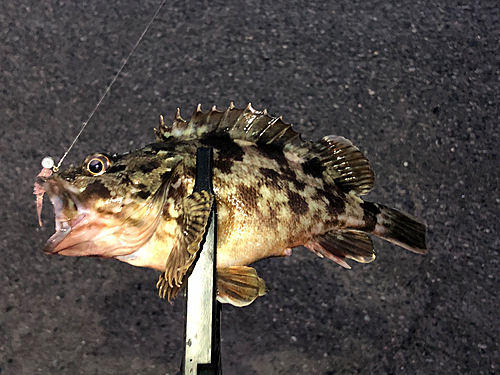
x,y
414,84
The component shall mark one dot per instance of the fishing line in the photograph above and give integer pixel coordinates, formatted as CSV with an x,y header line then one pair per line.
x,y
46,160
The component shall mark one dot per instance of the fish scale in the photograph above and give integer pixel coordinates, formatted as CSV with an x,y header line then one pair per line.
x,y
273,192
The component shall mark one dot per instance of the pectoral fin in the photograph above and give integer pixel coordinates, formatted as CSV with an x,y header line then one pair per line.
x,y
239,285
192,223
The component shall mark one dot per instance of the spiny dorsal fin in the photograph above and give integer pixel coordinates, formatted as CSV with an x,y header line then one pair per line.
x,y
336,155
243,124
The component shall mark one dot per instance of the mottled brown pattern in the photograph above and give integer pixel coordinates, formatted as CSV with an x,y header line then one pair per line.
x,y
269,174
96,189
369,217
273,192
297,203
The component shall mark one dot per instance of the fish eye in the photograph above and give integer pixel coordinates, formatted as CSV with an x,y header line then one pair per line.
x,y
97,164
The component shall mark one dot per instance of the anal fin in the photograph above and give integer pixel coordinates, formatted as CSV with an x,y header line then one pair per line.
x,y
239,285
339,245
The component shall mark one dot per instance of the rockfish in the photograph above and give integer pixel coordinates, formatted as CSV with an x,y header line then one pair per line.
x,y
273,192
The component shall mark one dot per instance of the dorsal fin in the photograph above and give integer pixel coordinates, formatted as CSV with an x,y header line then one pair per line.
x,y
337,156
243,124
341,161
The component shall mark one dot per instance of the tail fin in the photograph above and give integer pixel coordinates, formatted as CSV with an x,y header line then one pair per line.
x,y
398,227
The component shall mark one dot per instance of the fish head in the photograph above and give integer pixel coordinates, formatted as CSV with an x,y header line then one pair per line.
x,y
108,206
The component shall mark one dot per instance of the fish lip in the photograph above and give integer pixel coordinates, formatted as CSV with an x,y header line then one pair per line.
x,y
63,229
62,196
54,240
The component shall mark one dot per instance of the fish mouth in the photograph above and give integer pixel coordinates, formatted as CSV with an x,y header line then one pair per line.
x,y
54,244
70,213
82,230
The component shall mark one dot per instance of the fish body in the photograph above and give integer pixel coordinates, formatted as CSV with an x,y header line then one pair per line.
x,y
273,192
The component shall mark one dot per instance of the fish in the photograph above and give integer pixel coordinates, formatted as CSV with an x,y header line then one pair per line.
x,y
273,192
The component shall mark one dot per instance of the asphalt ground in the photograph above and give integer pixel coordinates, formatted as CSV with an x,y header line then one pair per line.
x,y
414,84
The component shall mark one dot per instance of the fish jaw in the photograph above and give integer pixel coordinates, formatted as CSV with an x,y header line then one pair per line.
x,y
81,230
88,234
69,212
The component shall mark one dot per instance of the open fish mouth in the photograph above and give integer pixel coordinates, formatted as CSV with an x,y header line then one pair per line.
x,y
81,230
69,212
63,230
